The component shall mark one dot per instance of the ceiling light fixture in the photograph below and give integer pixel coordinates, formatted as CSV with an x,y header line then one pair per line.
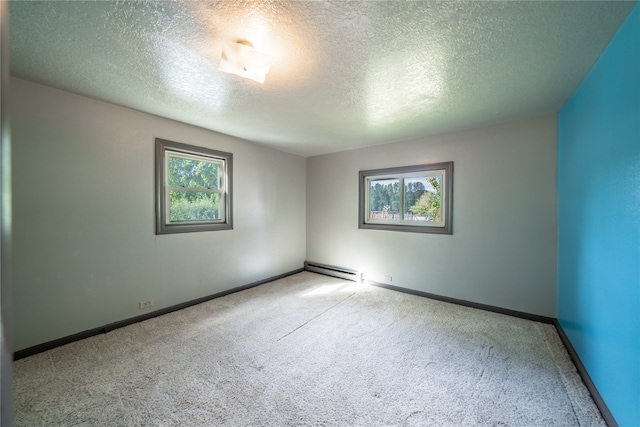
x,y
242,59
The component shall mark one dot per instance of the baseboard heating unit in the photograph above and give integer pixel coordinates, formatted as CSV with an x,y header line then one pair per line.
x,y
329,270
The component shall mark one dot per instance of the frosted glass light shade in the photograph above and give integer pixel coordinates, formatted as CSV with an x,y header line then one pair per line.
x,y
242,59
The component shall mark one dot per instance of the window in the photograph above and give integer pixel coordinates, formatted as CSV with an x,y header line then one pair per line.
x,y
418,199
193,188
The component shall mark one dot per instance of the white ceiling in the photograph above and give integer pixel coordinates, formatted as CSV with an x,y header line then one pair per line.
x,y
346,74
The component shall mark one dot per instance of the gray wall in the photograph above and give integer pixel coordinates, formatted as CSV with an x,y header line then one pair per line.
x,y
503,248
85,252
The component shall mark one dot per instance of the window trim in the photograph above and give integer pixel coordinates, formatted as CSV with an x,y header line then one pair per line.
x,y
401,173
162,146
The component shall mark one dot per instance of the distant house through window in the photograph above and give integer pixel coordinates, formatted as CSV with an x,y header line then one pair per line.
x,y
417,198
193,188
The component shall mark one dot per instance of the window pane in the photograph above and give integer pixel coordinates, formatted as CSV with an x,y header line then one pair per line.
x,y
193,206
384,199
414,188
416,199
423,198
191,173
193,188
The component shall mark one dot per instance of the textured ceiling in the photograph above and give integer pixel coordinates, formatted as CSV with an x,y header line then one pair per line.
x,y
346,74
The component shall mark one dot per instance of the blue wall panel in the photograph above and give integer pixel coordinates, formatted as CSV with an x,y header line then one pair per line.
x,y
599,222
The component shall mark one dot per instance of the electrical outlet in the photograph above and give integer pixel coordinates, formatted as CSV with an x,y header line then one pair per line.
x,y
387,279
145,304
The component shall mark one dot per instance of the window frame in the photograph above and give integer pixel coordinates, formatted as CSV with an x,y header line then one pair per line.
x,y
162,147
401,173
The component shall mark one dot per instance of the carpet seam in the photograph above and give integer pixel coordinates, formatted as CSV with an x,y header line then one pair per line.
x,y
315,317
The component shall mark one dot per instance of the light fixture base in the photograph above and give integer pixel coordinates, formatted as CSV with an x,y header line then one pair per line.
x,y
242,59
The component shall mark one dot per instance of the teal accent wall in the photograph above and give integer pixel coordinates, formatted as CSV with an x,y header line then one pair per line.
x,y
599,222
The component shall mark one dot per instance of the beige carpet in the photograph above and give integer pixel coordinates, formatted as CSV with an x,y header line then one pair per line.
x,y
310,350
